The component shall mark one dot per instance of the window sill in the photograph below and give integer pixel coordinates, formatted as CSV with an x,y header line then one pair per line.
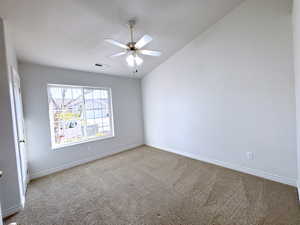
x,y
58,147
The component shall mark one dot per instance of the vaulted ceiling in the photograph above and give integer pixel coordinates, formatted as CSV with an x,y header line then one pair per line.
x,y
70,33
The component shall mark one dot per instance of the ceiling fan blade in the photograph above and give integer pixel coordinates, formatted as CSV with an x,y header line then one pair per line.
x,y
143,41
118,54
116,43
150,52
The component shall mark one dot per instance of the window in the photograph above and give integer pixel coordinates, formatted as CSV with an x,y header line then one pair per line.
x,y
79,114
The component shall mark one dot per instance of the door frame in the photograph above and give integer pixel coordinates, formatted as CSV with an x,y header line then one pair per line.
x,y
22,186
1,216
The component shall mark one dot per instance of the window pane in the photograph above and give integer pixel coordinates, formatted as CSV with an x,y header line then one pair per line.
x,y
90,114
78,114
55,96
104,94
67,94
88,93
98,114
66,114
77,93
88,97
92,130
97,94
97,103
105,121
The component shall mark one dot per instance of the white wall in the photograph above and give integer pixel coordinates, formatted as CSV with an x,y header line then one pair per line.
x,y
127,107
9,184
230,91
296,23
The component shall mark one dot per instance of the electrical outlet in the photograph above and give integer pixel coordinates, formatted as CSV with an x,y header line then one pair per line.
x,y
250,155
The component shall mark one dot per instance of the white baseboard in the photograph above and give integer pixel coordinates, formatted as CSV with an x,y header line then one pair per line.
x,y
12,210
68,165
255,172
298,187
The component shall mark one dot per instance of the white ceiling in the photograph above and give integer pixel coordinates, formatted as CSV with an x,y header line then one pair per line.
x,y
70,33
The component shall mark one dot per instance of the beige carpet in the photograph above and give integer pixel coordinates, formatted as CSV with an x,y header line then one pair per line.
x,y
149,186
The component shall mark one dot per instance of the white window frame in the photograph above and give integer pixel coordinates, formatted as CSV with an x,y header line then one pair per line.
x,y
58,146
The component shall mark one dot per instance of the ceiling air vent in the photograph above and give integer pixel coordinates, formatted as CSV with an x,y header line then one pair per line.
x,y
101,66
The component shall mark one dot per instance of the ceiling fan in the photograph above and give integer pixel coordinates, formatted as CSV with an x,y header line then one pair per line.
x,y
133,49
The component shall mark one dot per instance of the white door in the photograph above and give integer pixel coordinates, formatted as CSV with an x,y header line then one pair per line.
x,y
20,133
1,220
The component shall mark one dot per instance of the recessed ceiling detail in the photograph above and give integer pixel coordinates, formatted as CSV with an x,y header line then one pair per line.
x,y
71,33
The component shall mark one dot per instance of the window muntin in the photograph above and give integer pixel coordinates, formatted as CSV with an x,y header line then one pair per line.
x,y
79,114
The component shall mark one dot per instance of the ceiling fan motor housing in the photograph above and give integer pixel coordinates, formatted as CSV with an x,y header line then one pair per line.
x,y
131,46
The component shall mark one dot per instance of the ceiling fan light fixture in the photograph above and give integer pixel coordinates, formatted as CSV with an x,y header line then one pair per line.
x,y
130,60
138,60
134,60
